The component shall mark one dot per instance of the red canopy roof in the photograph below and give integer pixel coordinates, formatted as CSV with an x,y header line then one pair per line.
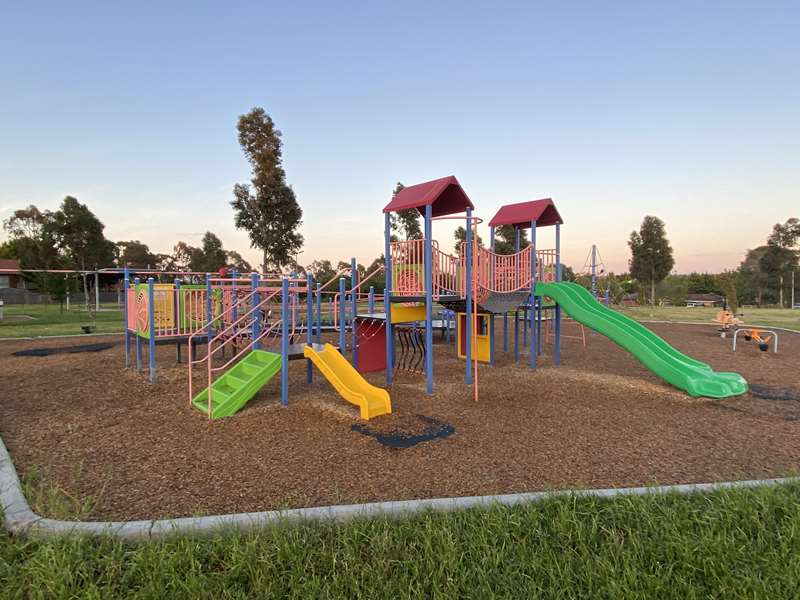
x,y
543,211
445,195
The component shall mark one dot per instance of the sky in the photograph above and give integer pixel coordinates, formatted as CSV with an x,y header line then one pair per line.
x,y
689,111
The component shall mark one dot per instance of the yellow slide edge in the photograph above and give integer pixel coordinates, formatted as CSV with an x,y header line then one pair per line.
x,y
372,401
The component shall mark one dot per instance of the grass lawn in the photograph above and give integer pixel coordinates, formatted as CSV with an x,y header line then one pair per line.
x,y
728,544
766,317
31,320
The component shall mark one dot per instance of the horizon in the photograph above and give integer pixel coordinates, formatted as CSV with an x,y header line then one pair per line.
x,y
615,114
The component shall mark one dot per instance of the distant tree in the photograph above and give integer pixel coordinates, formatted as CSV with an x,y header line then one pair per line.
x,y
377,281
505,239
8,250
651,255
726,285
785,235
181,258
776,263
406,222
267,208
31,242
322,271
702,283
568,273
136,254
752,284
211,256
78,234
460,236
235,261
780,257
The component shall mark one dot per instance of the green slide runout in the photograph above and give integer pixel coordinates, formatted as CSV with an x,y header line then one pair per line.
x,y
231,391
684,372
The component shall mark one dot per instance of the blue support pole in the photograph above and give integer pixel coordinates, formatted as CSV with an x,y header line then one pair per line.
x,y
516,312
539,326
309,320
285,342
557,327
524,328
468,286
387,300
371,301
429,297
491,340
354,300
319,313
505,332
532,310
138,342
491,239
342,317
257,312
176,306
125,286
151,318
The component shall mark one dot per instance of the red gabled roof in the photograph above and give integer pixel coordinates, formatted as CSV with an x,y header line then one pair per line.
x,y
445,195
544,212
9,263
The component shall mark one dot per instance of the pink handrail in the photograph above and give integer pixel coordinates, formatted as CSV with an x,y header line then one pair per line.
x,y
210,351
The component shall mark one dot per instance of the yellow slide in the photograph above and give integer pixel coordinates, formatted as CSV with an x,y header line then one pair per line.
x,y
373,401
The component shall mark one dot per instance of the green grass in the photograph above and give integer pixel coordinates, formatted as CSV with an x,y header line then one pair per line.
x,y
728,544
49,320
765,317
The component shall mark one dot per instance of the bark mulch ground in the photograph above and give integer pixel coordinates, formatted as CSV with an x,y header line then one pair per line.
x,y
601,419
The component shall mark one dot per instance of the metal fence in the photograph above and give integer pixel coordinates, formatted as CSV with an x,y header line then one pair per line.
x,y
20,296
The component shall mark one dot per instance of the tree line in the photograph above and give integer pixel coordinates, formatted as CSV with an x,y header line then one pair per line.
x,y
267,209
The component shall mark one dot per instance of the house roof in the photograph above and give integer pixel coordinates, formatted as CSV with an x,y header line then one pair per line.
x,y
543,211
445,196
705,297
9,264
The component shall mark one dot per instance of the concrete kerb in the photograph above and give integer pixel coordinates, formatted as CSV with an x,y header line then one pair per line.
x,y
21,520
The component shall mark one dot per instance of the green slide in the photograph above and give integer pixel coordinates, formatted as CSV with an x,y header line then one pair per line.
x,y
235,387
684,372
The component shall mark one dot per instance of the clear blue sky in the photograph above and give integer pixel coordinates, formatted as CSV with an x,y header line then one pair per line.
x,y
686,110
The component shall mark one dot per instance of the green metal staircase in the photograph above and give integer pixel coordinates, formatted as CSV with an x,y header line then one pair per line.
x,y
231,391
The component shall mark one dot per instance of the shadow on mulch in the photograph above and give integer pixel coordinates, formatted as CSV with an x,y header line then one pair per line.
x,y
775,392
432,429
64,349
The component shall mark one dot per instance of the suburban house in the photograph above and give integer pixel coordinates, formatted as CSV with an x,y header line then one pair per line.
x,y
10,277
713,300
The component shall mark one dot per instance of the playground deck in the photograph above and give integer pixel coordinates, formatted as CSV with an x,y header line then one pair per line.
x,y
599,420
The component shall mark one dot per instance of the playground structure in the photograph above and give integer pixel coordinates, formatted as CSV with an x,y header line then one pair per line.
x,y
760,336
263,322
727,320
